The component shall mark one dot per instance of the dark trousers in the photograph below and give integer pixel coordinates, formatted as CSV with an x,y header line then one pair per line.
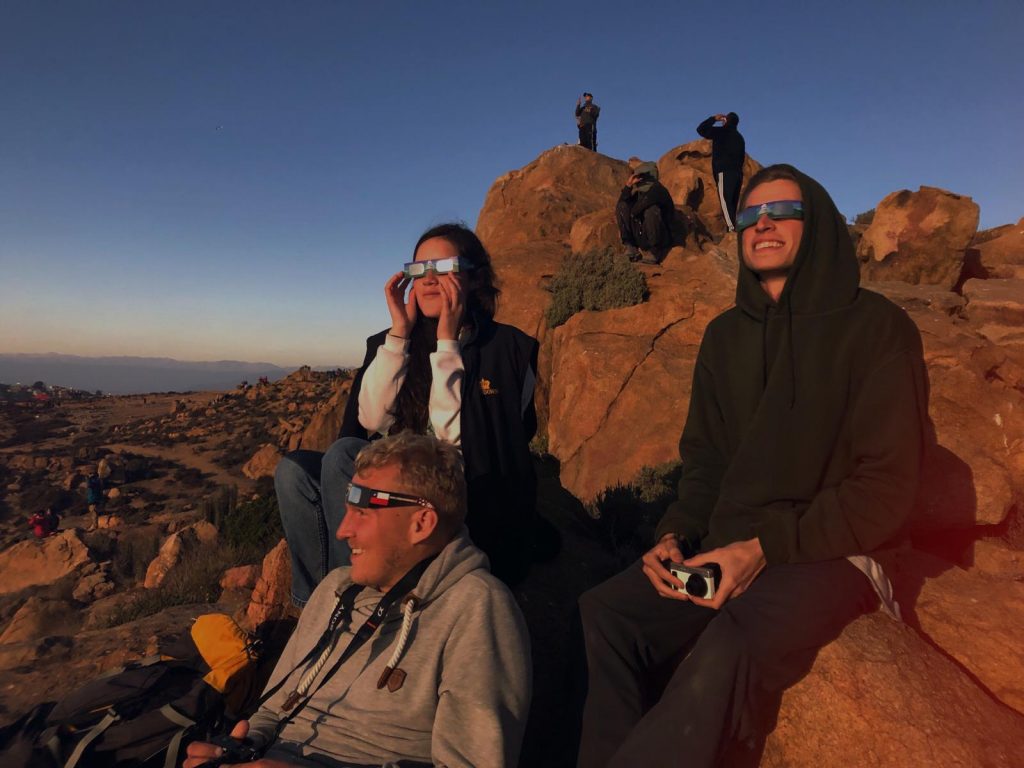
x,y
649,230
721,667
588,136
729,183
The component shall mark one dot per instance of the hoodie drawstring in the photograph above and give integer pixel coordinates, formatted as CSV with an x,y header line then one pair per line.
x,y
403,637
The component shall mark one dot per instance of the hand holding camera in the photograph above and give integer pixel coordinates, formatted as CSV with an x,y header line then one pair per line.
x,y
223,750
728,570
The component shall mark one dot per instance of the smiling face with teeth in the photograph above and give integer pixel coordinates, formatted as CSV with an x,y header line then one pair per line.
x,y
384,540
769,246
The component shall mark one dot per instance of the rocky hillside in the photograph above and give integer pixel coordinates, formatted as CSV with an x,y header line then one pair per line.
x,y
615,388
187,522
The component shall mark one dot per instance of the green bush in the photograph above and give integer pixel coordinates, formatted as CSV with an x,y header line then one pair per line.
x,y
217,507
196,579
597,280
252,527
628,514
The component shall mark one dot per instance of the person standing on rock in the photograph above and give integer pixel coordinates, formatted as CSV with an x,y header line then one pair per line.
x,y
728,151
446,368
587,113
644,215
801,454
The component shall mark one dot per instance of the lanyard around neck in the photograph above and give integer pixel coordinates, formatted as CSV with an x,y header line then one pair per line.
x,y
343,610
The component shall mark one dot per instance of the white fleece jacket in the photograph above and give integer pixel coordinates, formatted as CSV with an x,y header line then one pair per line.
x,y
386,372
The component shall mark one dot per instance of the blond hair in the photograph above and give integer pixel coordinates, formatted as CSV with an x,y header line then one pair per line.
x,y
429,467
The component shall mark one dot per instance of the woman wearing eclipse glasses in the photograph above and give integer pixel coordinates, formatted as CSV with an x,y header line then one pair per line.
x,y
445,367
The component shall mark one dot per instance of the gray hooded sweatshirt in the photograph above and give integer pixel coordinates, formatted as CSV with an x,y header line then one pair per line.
x,y
466,691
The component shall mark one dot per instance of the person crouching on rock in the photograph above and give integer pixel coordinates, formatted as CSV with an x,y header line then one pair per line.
x,y
44,524
446,368
644,215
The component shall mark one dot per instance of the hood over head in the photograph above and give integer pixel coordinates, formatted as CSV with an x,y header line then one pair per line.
x,y
825,274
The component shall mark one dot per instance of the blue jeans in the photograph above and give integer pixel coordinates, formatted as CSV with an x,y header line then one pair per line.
x,y
311,488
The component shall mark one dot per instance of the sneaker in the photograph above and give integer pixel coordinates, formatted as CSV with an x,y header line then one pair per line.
x,y
632,253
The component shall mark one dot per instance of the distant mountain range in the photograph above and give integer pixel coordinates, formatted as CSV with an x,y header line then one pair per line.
x,y
132,375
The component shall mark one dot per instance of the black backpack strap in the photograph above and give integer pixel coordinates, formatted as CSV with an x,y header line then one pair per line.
x,y
175,744
94,733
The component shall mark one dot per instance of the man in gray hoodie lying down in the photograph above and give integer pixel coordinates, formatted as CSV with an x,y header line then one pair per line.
x,y
412,656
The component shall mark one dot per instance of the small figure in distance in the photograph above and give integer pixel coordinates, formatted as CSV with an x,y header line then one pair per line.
x,y
587,113
728,151
44,524
644,215
801,455
414,655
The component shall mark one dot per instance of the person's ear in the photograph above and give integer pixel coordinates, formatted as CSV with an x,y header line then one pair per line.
x,y
423,524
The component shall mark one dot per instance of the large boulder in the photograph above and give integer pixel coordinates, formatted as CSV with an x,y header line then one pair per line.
x,y
542,200
175,549
1001,256
686,173
996,308
972,615
975,473
918,237
881,695
324,426
263,462
596,231
39,617
524,272
271,597
620,379
35,562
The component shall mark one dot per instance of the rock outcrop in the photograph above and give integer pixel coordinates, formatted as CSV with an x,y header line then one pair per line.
x,y
880,695
36,562
620,380
174,550
1002,254
263,462
271,597
919,237
686,173
542,200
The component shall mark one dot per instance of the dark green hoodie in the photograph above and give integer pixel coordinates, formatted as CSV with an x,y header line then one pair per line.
x,y
807,417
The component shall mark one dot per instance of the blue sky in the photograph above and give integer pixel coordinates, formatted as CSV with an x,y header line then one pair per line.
x,y
237,179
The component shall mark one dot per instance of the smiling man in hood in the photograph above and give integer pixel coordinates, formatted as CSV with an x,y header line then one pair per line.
x,y
415,655
801,455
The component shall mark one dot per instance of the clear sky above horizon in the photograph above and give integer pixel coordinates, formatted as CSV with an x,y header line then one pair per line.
x,y
236,180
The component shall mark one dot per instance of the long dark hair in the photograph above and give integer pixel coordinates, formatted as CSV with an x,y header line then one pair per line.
x,y
410,406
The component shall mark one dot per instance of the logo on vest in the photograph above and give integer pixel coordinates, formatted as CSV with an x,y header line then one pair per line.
x,y
486,388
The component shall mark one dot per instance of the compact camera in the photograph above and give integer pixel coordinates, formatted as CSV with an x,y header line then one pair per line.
x,y
235,751
698,580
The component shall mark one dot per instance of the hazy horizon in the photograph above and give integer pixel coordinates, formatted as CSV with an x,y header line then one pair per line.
x,y
237,180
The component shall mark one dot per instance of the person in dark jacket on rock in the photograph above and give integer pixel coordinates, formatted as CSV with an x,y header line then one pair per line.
x,y
801,454
446,368
587,113
728,151
644,215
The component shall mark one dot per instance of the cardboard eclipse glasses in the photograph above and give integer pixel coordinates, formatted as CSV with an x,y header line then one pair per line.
x,y
438,266
775,210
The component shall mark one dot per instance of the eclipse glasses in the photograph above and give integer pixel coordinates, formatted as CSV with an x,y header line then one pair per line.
x,y
776,210
438,266
361,496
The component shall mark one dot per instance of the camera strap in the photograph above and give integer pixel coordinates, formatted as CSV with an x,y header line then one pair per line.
x,y
326,644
